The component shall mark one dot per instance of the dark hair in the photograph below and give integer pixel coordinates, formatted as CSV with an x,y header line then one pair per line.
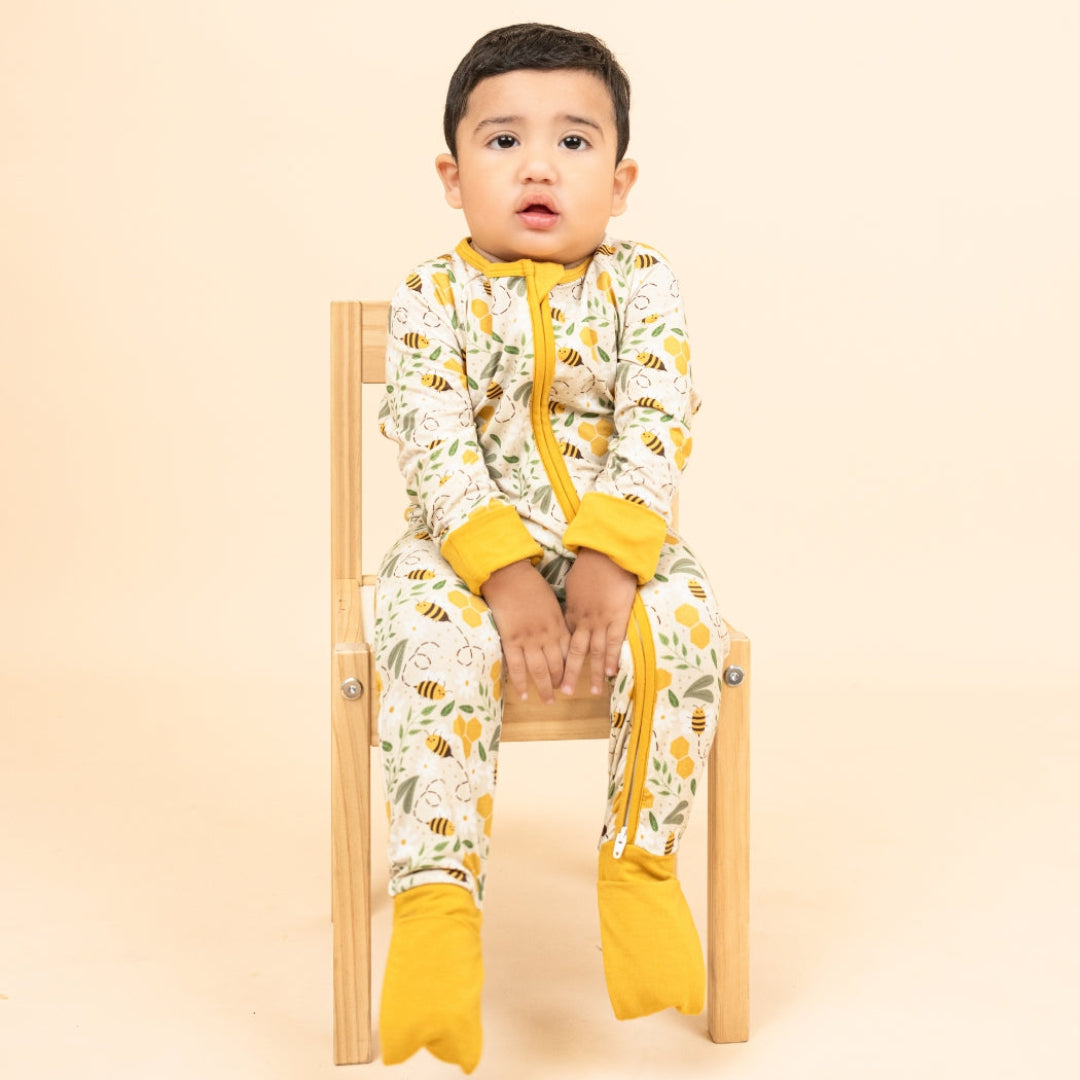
x,y
537,47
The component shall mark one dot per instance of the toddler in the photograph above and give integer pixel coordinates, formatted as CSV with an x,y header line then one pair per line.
x,y
538,387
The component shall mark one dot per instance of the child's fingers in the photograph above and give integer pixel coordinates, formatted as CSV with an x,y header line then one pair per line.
x,y
537,662
575,658
516,670
597,651
614,646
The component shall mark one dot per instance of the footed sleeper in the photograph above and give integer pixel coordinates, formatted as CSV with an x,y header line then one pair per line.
x,y
538,410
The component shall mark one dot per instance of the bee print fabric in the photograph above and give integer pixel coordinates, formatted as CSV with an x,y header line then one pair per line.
x,y
536,410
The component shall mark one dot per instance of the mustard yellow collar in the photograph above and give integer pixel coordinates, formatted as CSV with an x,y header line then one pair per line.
x,y
549,273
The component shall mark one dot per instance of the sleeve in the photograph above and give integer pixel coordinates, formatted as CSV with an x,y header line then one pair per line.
x,y
427,410
626,515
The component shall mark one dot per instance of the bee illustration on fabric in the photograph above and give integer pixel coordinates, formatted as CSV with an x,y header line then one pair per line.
x,y
650,403
436,382
669,845
557,315
618,719
415,340
413,281
696,588
653,443
697,721
604,249
430,610
440,746
639,375
441,826
420,575
651,318
643,260
569,356
457,873
569,450
430,689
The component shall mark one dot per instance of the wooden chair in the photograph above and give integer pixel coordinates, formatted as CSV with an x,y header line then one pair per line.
x,y
357,356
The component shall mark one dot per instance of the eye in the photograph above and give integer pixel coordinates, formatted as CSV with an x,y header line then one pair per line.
x,y
573,142
504,142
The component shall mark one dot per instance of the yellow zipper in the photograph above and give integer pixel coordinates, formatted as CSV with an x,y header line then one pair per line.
x,y
538,285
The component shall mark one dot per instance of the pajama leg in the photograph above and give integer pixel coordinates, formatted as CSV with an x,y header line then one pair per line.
x,y
439,669
690,644
439,665
651,949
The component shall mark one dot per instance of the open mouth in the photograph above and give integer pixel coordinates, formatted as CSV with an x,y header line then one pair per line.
x,y
538,215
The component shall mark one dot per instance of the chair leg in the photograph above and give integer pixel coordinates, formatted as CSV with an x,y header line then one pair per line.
x,y
729,857
350,826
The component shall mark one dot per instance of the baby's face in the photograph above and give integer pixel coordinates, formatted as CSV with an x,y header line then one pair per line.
x,y
535,171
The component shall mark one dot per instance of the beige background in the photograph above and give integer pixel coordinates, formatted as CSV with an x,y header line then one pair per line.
x,y
873,210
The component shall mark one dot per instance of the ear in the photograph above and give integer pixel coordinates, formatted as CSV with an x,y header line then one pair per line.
x,y
447,168
626,173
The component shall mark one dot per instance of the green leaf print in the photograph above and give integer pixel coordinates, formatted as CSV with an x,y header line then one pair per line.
x,y
405,792
435,352
396,657
513,350
702,688
660,577
652,822
387,746
447,709
693,785
603,355
685,566
658,331
676,815
673,699
481,751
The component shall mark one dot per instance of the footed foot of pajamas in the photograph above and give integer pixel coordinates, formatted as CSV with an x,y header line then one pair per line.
x,y
434,974
652,953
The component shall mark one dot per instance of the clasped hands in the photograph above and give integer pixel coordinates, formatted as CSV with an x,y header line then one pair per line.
x,y
538,640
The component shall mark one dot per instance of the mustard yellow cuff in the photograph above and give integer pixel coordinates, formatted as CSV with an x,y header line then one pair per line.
x,y
493,537
628,533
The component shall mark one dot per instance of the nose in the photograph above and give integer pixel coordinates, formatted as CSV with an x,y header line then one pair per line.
x,y
537,168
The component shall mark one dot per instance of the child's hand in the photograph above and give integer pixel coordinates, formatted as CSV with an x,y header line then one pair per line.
x,y
531,626
599,596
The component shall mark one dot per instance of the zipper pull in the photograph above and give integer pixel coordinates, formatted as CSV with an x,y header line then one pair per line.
x,y
620,844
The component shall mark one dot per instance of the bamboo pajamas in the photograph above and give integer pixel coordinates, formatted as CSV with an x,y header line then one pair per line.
x,y
537,410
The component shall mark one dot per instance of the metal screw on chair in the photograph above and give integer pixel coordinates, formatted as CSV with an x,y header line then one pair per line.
x,y
734,675
352,689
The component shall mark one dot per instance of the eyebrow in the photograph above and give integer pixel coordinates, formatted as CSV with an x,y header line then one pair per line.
x,y
500,121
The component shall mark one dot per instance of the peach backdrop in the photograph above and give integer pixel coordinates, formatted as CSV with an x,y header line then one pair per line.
x,y
873,209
